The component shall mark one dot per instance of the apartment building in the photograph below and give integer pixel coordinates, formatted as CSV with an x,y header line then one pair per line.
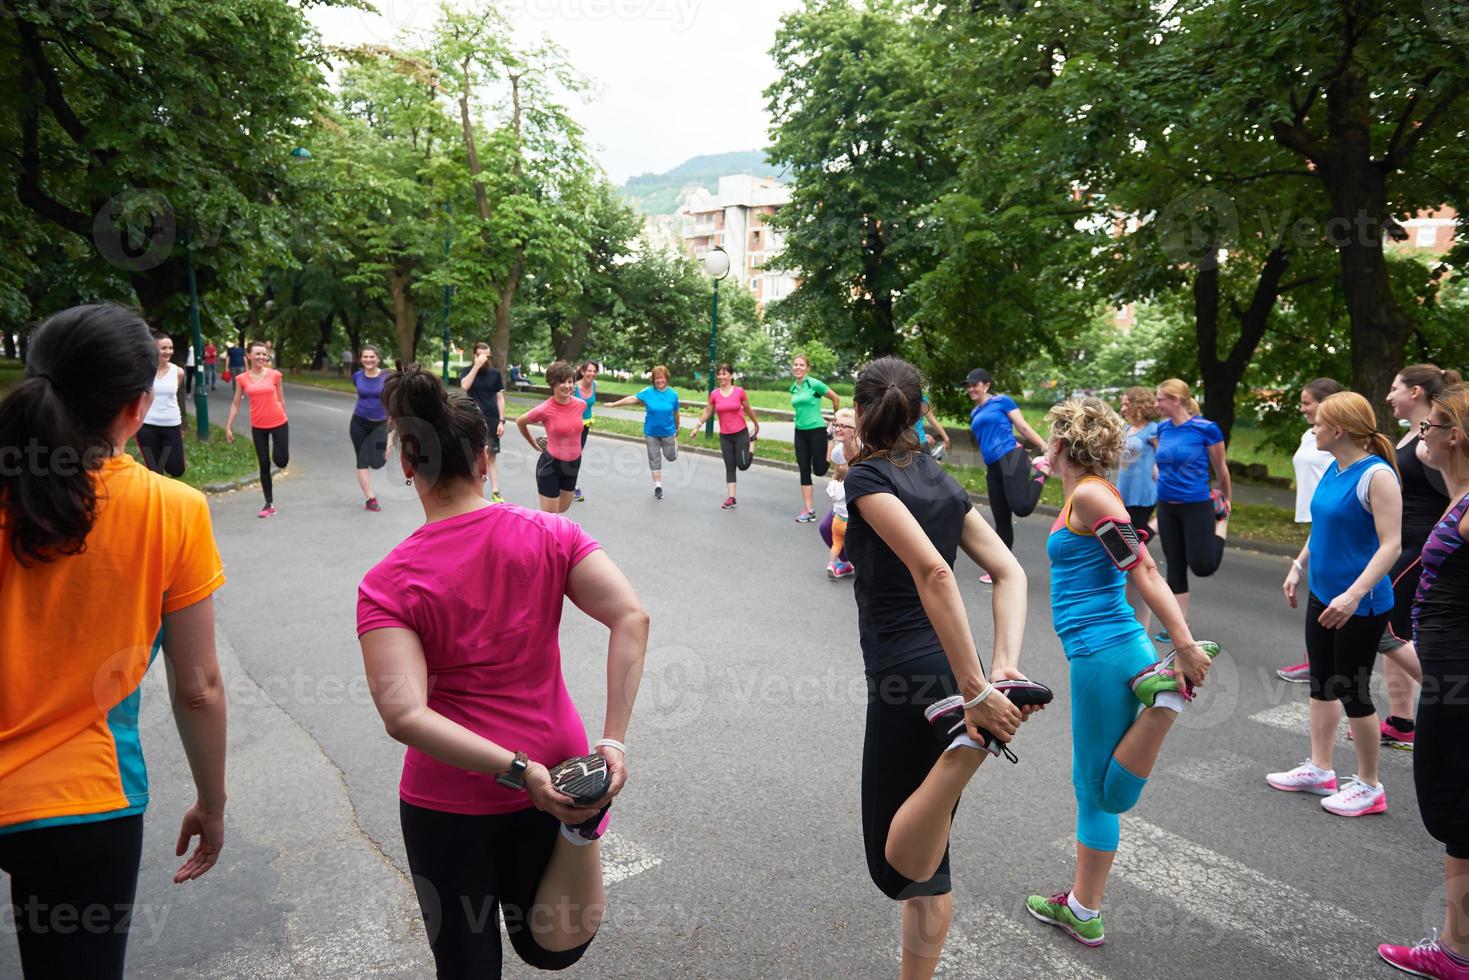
x,y
737,217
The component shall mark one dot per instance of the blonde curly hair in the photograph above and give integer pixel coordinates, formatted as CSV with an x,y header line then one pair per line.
x,y
1091,434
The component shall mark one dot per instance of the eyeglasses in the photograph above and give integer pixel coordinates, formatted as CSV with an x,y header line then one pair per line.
x,y
839,425
1425,425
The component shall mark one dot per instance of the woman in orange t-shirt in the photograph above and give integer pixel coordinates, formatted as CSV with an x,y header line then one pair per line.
x,y
96,554
268,428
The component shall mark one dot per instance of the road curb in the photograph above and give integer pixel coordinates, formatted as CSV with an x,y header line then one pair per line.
x,y
229,486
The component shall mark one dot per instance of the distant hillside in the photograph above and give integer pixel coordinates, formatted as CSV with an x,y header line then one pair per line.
x,y
665,193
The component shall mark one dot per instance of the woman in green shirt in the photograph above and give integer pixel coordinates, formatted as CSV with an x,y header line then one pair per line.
x,y
806,395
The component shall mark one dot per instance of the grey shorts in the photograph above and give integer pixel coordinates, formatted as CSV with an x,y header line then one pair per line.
x,y
659,449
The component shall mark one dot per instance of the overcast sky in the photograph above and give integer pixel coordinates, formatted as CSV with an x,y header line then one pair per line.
x,y
674,78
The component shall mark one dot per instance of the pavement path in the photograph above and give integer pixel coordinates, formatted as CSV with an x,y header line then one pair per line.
x,y
736,850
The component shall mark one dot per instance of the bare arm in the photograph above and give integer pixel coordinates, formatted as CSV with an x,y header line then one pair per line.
x,y
199,713
280,391
933,420
704,417
836,400
183,402
229,425
983,545
1023,427
600,590
939,592
1221,470
750,414
629,400
523,423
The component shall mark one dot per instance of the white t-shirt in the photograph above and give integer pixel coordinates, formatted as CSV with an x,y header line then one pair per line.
x,y
834,488
1310,463
165,407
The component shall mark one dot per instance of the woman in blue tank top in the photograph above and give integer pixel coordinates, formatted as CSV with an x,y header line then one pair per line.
x,y
586,390
1123,702
1356,535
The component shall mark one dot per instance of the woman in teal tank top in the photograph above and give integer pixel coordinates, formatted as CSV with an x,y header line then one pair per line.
x,y
1123,702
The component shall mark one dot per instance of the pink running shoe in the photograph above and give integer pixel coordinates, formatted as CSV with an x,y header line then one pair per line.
x,y
266,511
1304,778
986,580
1428,958
840,569
1394,737
1356,799
1042,466
1296,673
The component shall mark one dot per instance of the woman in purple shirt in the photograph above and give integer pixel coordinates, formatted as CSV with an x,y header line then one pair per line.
x,y
368,427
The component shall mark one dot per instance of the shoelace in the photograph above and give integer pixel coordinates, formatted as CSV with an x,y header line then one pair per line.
x,y
1355,789
1060,898
1427,942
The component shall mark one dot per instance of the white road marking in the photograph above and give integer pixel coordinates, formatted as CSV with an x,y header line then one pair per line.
x,y
1226,768
1228,897
1001,943
1295,717
324,408
622,859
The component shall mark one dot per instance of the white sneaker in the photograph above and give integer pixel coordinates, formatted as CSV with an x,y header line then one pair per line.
x,y
1304,778
1356,799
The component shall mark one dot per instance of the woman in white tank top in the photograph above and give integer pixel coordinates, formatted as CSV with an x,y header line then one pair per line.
x,y
161,437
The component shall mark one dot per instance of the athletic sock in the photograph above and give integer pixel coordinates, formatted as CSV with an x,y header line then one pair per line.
x,y
1453,956
1081,911
963,742
1172,700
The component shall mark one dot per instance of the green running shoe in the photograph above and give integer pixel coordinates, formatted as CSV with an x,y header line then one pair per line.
x,y
1164,676
1056,912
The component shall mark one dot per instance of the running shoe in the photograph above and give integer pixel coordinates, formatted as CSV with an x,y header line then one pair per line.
x,y
1394,737
839,569
729,503
373,505
496,497
577,495
658,491
1042,466
1356,799
1162,637
986,580
1295,673
1221,507
1056,911
1304,778
806,517
266,511
585,778
1429,958
938,452
947,716
1162,676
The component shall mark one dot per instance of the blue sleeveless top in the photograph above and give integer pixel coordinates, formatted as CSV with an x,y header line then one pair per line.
x,y
1344,537
1089,609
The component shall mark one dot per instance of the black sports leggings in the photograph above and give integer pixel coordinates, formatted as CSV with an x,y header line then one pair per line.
x,y
733,446
264,453
71,896
1341,659
163,448
1011,485
898,750
1189,542
811,453
1440,764
467,868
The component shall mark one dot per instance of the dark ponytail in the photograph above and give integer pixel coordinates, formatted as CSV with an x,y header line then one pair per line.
x,y
56,425
889,394
440,434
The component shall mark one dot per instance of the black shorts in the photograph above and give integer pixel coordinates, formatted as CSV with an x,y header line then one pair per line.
x,y
491,424
556,476
369,442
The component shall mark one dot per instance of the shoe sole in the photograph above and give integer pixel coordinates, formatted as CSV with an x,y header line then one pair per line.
x,y
1406,969
1393,743
1375,808
1293,680
1057,923
1313,790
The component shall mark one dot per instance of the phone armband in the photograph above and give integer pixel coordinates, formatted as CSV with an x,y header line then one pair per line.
x,y
1119,539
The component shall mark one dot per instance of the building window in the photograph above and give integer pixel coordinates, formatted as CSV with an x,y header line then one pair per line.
x,y
1427,236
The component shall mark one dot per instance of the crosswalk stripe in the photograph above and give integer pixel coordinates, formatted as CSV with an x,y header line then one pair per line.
x,y
1295,717
999,943
622,859
1209,772
1291,924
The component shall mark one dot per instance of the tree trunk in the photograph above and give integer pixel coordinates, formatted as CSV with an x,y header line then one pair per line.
x,y
322,357
405,319
568,344
500,343
1222,375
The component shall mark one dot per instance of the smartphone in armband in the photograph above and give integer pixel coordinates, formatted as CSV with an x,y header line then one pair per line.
x,y
1120,540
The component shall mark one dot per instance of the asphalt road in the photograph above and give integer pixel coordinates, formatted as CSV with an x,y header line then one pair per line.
x,y
735,850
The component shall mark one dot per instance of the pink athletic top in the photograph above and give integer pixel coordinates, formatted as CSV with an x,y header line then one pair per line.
x,y
563,426
266,410
484,592
729,409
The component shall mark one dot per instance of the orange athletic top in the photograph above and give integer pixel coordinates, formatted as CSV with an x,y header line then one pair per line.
x,y
266,410
77,635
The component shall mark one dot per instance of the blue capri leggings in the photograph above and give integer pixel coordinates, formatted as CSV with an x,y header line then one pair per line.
x,y
1103,708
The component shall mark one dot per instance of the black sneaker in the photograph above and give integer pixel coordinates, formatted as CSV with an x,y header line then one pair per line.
x,y
658,492
585,778
947,716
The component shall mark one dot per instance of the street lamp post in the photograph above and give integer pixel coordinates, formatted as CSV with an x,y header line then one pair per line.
x,y
201,397
448,292
716,263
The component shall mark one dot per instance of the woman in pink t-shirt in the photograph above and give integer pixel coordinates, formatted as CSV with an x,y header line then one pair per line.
x,y
732,405
268,428
458,627
561,416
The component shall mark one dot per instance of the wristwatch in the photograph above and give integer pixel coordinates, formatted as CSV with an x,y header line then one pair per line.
x,y
515,778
